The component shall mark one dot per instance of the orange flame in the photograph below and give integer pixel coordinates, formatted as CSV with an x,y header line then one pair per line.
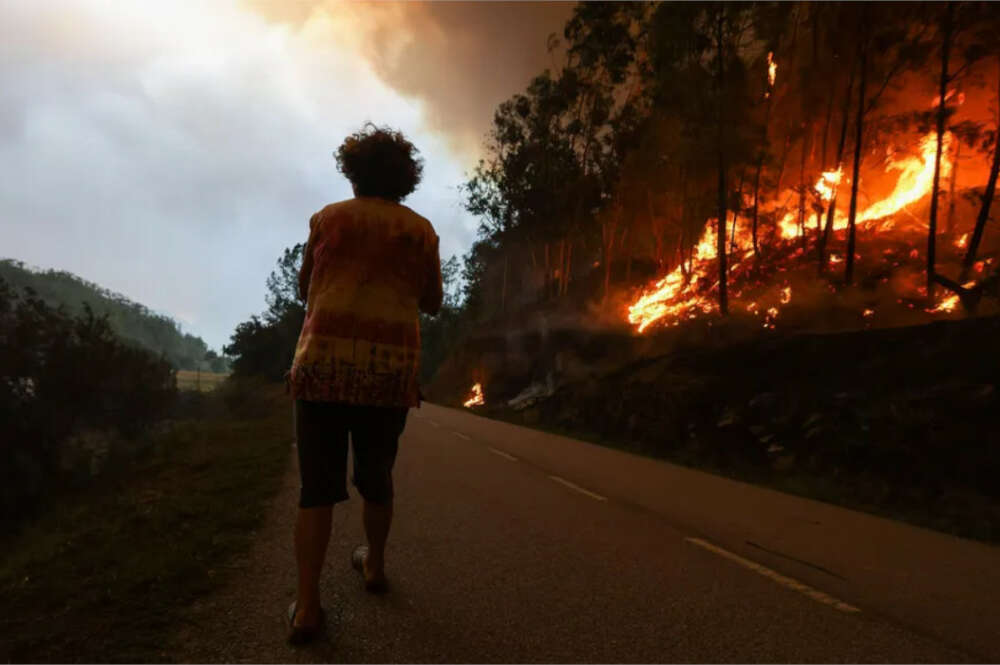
x,y
685,295
947,305
475,396
772,69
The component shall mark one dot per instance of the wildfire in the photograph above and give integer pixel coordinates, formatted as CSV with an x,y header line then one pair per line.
x,y
475,396
772,69
963,241
685,294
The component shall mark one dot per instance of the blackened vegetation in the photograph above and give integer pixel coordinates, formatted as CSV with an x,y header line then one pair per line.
x,y
73,396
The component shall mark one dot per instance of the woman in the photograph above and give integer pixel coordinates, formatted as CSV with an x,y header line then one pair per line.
x,y
369,266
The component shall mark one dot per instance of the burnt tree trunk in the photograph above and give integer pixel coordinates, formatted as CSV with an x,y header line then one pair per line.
x,y
941,115
859,130
831,210
802,188
720,138
736,210
949,227
984,208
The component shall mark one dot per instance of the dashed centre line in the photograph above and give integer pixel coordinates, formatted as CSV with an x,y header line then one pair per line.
x,y
784,581
506,456
462,436
581,490
433,422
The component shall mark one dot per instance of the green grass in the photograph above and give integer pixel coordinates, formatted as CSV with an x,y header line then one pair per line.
x,y
104,574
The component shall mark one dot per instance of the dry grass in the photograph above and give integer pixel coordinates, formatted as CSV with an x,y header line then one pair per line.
x,y
204,381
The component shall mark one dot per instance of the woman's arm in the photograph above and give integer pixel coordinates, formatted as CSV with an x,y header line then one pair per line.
x,y
430,299
305,272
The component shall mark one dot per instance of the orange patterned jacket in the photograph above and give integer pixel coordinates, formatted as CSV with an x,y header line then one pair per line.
x,y
368,268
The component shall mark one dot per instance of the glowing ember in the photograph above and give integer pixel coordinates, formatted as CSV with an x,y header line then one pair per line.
x,y
475,396
963,241
786,295
868,313
772,70
947,305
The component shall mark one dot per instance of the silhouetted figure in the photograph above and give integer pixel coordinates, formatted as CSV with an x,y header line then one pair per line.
x,y
369,266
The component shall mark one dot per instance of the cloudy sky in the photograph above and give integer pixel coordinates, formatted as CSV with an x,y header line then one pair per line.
x,y
170,150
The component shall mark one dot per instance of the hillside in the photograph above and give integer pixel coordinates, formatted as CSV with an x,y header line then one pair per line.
x,y
899,421
130,320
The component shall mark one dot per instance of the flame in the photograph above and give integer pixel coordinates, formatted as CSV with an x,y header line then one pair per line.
x,y
786,295
475,396
868,313
947,305
772,69
684,295
963,241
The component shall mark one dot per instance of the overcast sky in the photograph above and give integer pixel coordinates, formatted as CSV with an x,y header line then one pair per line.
x,y
170,150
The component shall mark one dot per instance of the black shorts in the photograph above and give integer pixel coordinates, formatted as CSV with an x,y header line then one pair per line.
x,y
321,431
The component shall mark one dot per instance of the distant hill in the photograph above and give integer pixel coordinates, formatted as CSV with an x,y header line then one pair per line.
x,y
130,320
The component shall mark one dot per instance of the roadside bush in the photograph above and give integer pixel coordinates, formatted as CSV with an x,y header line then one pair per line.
x,y
62,376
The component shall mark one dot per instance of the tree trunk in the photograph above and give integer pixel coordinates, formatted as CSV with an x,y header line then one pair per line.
x,y
569,266
756,194
802,189
781,164
859,130
941,114
736,210
984,208
503,288
824,238
950,221
608,232
721,221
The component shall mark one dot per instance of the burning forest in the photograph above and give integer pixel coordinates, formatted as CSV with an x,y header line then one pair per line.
x,y
709,161
761,169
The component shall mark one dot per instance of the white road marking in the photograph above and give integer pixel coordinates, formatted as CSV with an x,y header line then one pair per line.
x,y
788,582
581,490
433,422
506,456
462,436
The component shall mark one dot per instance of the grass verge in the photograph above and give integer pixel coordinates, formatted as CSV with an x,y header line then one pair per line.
x,y
104,574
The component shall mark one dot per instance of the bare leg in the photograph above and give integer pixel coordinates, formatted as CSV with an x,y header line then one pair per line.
x,y
312,533
377,518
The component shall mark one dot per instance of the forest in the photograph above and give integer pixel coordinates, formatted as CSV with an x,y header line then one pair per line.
x,y
131,321
695,160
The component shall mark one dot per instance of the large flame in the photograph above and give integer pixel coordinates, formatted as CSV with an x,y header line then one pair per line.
x,y
685,294
475,396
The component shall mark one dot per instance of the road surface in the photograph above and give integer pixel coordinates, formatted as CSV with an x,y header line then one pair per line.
x,y
515,545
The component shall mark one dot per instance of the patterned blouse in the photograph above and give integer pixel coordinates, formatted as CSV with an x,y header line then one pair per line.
x,y
374,264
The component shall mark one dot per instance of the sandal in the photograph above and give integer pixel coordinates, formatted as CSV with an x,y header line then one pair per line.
x,y
358,557
303,634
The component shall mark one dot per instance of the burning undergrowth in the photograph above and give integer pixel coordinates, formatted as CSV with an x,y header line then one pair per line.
x,y
889,261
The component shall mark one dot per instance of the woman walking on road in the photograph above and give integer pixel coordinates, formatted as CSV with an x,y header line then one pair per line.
x,y
370,265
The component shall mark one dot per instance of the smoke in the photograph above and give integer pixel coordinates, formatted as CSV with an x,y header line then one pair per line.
x,y
459,59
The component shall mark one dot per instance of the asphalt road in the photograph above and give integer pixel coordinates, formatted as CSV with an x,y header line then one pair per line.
x,y
514,545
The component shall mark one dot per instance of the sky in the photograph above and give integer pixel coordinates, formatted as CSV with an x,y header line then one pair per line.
x,y
169,150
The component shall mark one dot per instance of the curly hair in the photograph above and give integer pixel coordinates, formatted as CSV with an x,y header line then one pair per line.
x,y
381,162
